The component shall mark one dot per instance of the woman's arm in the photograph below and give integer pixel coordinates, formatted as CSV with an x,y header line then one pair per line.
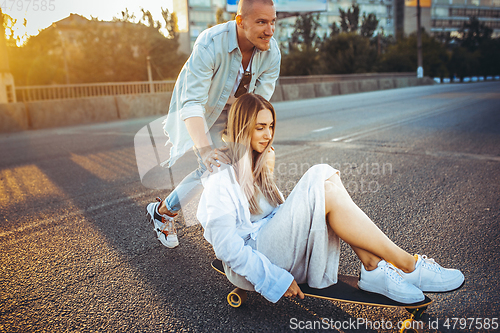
x,y
222,215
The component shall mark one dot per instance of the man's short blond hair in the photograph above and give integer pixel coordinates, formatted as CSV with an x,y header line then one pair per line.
x,y
245,6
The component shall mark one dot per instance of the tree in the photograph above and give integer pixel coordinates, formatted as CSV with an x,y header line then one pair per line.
x,y
36,62
335,30
304,36
301,58
473,34
368,25
402,56
477,53
349,21
299,62
100,51
219,16
489,51
463,63
347,53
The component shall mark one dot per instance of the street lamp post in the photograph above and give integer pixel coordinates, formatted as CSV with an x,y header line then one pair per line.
x,y
150,76
420,69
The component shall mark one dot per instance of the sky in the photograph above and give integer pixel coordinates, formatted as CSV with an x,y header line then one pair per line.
x,y
42,13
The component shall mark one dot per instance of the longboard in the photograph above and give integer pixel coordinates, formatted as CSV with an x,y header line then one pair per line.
x,y
345,290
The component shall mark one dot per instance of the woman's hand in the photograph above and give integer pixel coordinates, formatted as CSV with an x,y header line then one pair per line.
x,y
294,291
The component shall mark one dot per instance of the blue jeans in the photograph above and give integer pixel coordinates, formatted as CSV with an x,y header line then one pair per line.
x,y
191,185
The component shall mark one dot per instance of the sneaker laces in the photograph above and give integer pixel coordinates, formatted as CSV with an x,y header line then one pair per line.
x,y
393,273
430,264
168,227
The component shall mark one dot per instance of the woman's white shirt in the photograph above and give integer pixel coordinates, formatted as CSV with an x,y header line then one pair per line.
x,y
224,213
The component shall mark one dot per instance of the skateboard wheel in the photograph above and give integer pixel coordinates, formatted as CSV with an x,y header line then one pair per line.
x,y
237,297
408,327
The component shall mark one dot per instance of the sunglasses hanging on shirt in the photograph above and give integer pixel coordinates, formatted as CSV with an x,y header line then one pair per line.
x,y
245,80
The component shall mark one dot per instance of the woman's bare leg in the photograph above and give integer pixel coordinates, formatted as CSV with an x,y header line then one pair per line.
x,y
352,225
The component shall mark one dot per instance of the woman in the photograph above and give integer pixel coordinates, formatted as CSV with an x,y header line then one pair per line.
x,y
271,245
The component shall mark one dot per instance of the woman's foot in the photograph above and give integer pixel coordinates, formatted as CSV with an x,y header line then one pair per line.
x,y
429,276
388,281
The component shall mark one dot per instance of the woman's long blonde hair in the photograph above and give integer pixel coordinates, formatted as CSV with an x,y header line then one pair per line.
x,y
252,170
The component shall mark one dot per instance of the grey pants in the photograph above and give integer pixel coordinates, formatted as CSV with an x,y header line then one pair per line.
x,y
297,237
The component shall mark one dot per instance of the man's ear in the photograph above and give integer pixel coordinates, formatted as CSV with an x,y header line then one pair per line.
x,y
238,19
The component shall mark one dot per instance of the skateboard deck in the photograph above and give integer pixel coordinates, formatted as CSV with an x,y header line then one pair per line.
x,y
346,290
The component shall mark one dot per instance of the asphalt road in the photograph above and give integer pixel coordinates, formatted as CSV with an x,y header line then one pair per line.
x,y
78,255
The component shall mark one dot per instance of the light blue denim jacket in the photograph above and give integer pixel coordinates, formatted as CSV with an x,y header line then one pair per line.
x,y
207,79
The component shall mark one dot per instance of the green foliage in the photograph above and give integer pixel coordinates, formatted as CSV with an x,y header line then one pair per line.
x,y
489,52
368,25
351,50
343,52
302,55
335,30
220,16
477,53
299,62
474,33
100,51
402,56
347,53
304,35
349,20
36,63
462,62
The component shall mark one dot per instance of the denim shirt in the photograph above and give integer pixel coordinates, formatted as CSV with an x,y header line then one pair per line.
x,y
207,79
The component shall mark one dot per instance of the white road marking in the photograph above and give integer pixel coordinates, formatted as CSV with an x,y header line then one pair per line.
x,y
323,129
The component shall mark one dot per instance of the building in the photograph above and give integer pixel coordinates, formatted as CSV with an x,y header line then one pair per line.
x,y
448,16
444,18
194,16
410,16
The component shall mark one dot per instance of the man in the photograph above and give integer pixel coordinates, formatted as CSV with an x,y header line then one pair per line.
x,y
227,60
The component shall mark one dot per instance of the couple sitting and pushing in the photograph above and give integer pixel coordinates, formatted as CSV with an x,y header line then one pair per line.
x,y
270,245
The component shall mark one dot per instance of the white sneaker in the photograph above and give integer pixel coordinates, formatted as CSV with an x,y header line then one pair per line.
x,y
387,280
163,225
429,276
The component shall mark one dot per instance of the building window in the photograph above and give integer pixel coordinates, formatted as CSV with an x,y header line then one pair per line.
x,y
10,93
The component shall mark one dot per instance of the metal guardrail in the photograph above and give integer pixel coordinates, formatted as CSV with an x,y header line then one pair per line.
x,y
67,91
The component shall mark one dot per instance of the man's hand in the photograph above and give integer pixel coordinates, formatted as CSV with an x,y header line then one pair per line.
x,y
211,157
196,130
294,291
